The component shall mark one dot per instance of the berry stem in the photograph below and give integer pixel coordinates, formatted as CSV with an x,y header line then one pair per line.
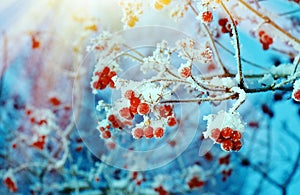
x,y
268,20
237,47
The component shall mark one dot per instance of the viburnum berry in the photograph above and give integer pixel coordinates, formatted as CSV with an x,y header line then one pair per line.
x,y
265,39
172,121
143,108
226,27
133,109
159,132
165,111
137,133
296,91
135,101
226,132
148,132
129,94
215,133
237,145
195,183
185,72
10,184
296,95
227,145
104,78
126,113
236,136
106,134
207,16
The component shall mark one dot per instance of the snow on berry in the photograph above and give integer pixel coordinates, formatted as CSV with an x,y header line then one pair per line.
x,y
159,132
231,131
207,16
296,91
172,121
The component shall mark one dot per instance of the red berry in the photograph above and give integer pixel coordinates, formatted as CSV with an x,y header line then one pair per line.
x,y
159,132
236,136
54,101
261,33
223,21
125,113
10,184
106,134
207,16
111,118
137,133
296,95
105,70
237,145
227,144
135,101
148,132
226,132
129,94
185,72
215,133
112,74
172,121
133,109
143,108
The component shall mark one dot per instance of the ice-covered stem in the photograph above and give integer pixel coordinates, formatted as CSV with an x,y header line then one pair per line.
x,y
213,45
269,21
215,50
199,100
237,47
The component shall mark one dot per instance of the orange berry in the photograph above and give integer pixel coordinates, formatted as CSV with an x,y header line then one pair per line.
x,y
164,2
207,16
185,72
159,132
143,108
148,132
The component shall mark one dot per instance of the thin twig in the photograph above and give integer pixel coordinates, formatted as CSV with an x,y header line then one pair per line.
x,y
237,47
198,100
268,20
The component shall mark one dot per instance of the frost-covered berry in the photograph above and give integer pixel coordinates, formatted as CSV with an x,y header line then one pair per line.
x,y
237,146
148,132
129,94
143,108
207,16
159,132
226,132
126,113
215,133
137,133
227,145
185,72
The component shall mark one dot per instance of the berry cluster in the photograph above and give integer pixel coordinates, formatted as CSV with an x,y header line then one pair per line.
x,y
159,4
265,39
226,27
195,183
228,138
207,16
105,131
147,132
104,79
